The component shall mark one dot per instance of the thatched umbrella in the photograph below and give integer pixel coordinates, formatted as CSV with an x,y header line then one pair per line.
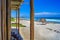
x,y
43,20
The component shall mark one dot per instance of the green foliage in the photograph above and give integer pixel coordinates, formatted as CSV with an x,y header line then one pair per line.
x,y
14,25
12,19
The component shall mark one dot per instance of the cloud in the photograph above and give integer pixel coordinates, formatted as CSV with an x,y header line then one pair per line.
x,y
42,13
46,13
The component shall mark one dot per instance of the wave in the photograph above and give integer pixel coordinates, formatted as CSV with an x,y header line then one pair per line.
x,y
47,19
53,20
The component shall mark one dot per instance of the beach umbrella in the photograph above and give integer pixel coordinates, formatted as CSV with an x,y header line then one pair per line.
x,y
42,20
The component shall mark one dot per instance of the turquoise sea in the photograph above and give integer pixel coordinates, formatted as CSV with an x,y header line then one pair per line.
x,y
48,19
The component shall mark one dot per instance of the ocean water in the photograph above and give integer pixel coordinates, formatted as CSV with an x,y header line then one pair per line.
x,y
51,19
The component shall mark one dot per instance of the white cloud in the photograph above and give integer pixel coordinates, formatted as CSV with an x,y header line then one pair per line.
x,y
41,13
46,13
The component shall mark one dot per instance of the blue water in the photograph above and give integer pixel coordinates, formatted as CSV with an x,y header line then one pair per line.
x,y
48,19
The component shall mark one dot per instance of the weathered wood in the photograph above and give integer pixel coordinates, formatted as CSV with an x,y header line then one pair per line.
x,y
18,19
31,20
8,19
16,3
3,19
17,0
0,22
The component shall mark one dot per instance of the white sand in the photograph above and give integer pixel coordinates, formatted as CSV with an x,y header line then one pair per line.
x,y
42,32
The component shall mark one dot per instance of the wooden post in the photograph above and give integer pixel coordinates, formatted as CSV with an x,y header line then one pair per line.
x,y
31,20
3,19
8,19
0,22
18,19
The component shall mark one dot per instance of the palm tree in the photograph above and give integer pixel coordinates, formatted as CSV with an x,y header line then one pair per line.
x,y
31,20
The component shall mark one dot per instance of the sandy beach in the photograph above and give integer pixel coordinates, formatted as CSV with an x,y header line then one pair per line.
x,y
50,31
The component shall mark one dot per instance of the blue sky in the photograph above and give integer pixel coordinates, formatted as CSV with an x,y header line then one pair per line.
x,y
42,8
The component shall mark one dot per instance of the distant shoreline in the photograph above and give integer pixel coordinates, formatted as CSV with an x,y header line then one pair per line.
x,y
47,20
